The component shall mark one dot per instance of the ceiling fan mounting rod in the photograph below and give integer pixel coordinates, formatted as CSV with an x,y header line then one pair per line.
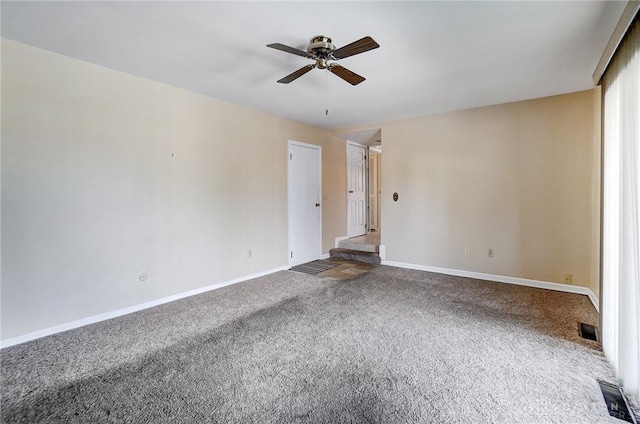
x,y
320,44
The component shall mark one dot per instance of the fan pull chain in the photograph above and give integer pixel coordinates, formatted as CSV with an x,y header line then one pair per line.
x,y
326,91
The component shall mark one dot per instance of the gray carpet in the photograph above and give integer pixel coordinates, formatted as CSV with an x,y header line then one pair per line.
x,y
390,346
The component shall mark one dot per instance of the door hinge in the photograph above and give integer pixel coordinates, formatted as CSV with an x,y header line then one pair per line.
x,y
290,156
292,254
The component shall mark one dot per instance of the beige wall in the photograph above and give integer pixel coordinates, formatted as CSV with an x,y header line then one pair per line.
x,y
521,178
106,176
334,186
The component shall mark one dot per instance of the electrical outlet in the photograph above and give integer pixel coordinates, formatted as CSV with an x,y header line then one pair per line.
x,y
568,279
490,252
467,250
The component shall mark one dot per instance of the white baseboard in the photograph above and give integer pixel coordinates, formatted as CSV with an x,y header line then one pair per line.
x,y
502,279
382,251
324,256
135,308
593,298
124,311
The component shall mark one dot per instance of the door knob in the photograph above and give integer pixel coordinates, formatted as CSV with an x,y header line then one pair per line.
x,y
350,191
317,205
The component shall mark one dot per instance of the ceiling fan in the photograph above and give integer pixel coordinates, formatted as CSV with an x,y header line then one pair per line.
x,y
322,51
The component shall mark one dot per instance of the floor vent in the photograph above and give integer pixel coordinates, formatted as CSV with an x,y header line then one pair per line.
x,y
315,267
616,402
588,331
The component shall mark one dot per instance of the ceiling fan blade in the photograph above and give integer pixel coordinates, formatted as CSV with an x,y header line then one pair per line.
x,y
297,74
347,75
288,49
362,45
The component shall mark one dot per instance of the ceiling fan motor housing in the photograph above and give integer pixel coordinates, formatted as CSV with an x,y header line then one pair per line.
x,y
321,47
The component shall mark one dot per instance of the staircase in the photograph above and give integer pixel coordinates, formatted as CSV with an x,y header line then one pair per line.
x,y
364,249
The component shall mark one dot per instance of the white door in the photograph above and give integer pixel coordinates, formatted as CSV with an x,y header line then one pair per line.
x,y
305,211
356,190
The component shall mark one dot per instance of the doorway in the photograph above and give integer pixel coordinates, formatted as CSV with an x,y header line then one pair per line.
x,y
363,218
304,194
374,179
356,189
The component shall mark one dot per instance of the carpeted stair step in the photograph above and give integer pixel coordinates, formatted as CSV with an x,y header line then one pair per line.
x,y
355,256
363,247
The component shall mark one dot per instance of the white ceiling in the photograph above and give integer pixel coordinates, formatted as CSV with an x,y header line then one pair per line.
x,y
434,56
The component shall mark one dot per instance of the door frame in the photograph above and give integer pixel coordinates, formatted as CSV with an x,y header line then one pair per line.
x,y
366,185
374,153
290,190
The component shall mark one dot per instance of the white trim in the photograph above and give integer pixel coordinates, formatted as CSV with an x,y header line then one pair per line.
x,y
593,299
339,239
128,310
355,144
502,279
382,251
308,145
324,256
618,33
366,184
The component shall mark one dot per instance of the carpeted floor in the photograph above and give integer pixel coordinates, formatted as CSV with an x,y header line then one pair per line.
x,y
389,346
